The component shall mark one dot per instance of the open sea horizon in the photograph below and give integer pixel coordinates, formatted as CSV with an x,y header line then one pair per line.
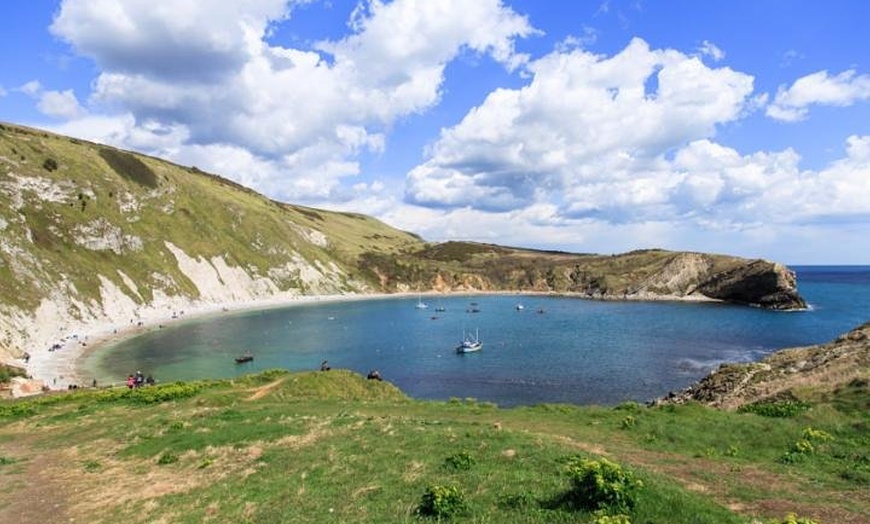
x,y
552,350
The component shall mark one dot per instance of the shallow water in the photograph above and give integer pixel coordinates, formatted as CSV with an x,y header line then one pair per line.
x,y
555,349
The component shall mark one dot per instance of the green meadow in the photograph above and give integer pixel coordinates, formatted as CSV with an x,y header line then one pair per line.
x,y
282,447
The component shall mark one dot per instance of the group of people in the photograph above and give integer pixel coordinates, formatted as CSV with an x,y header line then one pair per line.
x,y
138,380
372,375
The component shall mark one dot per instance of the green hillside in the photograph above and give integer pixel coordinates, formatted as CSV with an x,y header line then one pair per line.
x,y
334,447
73,211
93,234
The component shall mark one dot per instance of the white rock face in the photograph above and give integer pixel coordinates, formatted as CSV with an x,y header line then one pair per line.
x,y
678,279
64,324
102,235
44,189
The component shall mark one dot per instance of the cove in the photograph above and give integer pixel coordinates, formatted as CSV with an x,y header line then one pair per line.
x,y
553,350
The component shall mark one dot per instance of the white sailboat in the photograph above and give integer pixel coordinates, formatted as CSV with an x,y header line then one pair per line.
x,y
469,344
420,303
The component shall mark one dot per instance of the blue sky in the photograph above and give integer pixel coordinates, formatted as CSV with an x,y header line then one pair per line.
x,y
738,127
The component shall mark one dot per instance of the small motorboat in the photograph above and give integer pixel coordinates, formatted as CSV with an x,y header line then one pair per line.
x,y
246,357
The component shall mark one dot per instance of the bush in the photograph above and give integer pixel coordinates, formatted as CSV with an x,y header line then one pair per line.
x,y
461,461
792,518
601,485
805,445
442,502
611,519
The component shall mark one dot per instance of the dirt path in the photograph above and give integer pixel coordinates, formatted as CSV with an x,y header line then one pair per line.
x,y
262,391
28,493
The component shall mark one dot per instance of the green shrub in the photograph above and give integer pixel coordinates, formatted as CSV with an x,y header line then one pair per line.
x,y
164,392
792,518
442,502
806,445
462,461
16,409
611,519
601,485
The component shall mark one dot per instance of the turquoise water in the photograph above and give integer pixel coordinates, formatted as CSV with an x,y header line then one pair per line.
x,y
555,349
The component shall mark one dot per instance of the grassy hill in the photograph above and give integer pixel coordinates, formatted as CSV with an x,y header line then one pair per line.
x,y
89,234
334,447
94,234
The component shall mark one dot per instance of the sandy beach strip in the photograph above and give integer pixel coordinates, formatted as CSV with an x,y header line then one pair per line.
x,y
61,349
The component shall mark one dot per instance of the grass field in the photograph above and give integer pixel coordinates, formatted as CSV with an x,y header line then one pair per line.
x,y
334,447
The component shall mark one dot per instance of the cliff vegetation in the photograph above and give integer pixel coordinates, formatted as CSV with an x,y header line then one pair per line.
x,y
89,233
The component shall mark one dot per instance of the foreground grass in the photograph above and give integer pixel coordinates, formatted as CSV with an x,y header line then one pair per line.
x,y
333,447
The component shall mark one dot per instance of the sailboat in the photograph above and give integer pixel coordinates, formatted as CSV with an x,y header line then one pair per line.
x,y
420,303
469,344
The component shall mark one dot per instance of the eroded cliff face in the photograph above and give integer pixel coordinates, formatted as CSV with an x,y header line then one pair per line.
x,y
759,283
638,275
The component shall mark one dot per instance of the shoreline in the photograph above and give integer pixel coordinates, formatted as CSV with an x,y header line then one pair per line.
x,y
60,365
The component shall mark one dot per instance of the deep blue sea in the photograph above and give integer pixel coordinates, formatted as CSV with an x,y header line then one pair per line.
x,y
553,350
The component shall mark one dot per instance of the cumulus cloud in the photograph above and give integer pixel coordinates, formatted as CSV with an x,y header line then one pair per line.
x,y
306,113
587,134
625,142
791,104
56,104
707,197
60,104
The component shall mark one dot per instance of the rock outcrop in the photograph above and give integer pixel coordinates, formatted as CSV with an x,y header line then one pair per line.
x,y
759,283
785,373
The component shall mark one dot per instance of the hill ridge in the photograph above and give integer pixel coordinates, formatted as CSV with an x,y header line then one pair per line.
x,y
94,235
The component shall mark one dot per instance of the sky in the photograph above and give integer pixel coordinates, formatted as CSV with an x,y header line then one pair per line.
x,y
724,126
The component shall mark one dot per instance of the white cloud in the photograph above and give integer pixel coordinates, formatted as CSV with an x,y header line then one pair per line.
x,y
710,49
586,134
626,143
707,198
56,104
60,104
206,69
32,88
185,40
792,104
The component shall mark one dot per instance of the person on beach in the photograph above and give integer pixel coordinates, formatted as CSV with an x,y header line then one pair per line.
x,y
130,381
324,366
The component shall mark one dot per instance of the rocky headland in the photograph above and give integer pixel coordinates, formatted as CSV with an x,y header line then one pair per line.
x,y
789,374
